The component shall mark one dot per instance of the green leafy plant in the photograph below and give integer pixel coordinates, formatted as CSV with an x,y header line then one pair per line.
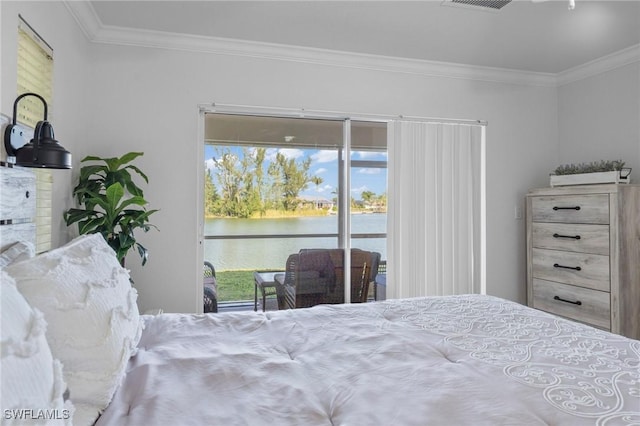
x,y
592,167
114,204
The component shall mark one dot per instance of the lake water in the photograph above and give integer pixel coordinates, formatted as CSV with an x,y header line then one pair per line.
x,y
272,253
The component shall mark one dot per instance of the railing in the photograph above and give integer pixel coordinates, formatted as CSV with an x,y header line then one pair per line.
x,y
248,302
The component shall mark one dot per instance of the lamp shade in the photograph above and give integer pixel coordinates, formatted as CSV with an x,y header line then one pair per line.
x,y
43,150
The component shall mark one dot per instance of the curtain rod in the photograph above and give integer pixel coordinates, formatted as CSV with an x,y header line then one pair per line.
x,y
322,114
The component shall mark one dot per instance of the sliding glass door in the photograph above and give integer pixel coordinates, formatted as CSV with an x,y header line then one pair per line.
x,y
275,187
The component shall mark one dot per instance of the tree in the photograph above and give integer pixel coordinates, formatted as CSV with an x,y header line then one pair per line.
x,y
317,181
231,174
368,197
243,189
261,185
291,178
382,200
211,196
250,190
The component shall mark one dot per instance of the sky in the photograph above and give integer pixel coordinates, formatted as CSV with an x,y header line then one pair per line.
x,y
324,163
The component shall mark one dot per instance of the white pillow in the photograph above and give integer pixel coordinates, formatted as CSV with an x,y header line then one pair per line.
x,y
32,385
21,250
94,325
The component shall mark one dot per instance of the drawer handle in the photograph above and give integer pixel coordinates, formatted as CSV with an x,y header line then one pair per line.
x,y
575,268
577,302
566,208
575,237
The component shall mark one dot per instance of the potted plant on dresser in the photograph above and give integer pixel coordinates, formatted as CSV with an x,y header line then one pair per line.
x,y
114,205
591,173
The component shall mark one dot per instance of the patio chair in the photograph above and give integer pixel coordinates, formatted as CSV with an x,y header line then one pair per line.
x,y
308,279
362,264
315,276
210,288
380,281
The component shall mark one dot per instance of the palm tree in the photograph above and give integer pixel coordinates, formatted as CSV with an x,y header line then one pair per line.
x,y
317,180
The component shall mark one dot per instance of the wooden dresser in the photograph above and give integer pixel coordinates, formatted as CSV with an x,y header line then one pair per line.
x,y
583,254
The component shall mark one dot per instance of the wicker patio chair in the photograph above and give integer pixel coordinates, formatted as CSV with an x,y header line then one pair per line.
x,y
308,279
382,271
315,276
210,288
362,264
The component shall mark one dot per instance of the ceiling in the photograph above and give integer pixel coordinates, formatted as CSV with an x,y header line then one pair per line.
x,y
525,35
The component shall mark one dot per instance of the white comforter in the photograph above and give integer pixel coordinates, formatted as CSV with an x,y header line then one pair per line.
x,y
459,360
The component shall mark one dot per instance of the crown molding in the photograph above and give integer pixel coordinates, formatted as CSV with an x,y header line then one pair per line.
x,y
606,63
224,46
95,31
85,16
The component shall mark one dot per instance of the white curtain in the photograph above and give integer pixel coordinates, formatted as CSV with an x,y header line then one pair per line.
x,y
436,212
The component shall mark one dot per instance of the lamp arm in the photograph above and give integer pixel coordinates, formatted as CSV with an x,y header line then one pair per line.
x,y
36,139
15,105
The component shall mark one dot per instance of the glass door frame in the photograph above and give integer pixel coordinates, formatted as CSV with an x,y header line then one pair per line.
x,y
344,176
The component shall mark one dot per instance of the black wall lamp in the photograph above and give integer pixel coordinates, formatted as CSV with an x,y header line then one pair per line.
x,y
43,150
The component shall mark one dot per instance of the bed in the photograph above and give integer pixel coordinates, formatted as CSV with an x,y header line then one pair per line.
x,y
451,360
458,360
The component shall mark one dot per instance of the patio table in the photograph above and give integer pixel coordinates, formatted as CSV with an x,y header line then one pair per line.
x,y
266,282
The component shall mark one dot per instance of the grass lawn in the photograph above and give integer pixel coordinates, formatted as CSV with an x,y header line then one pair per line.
x,y
235,285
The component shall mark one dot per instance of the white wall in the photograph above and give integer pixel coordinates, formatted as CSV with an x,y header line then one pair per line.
x,y
114,99
148,102
599,118
71,106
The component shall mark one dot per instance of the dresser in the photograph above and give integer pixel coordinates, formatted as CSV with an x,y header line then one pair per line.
x,y
583,254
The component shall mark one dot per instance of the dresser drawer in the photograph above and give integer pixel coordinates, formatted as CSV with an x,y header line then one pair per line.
x,y
581,304
580,238
571,208
580,269
18,201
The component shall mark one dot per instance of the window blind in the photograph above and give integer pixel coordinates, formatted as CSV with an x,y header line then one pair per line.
x,y
44,191
35,75
436,209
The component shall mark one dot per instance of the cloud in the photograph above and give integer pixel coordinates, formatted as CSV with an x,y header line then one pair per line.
x,y
321,170
291,153
270,154
367,171
364,155
287,152
326,188
325,156
210,164
253,151
360,189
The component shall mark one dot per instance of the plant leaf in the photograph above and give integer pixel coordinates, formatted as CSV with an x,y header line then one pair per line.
x,y
139,201
91,226
143,252
114,193
129,157
75,215
137,170
107,192
91,158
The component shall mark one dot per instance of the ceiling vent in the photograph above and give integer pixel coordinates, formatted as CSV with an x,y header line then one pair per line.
x,y
491,5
